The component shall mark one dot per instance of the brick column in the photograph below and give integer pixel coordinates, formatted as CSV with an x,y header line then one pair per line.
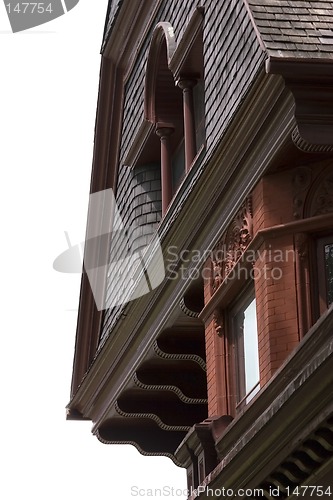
x,y
276,298
275,275
221,400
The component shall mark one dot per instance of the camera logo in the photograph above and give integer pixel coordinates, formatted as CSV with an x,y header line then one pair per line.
x,y
25,15
107,251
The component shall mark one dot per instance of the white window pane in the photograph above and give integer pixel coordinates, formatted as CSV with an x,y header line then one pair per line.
x,y
251,347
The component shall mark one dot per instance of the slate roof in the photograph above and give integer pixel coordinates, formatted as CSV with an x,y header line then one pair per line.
x,y
294,28
287,28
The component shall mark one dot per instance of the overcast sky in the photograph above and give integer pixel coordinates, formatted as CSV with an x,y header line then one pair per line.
x,y
48,95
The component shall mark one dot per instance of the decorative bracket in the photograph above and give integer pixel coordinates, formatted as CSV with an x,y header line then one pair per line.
x,y
233,244
218,318
311,85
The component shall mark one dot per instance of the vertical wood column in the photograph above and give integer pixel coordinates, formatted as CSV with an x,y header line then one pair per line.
x,y
304,306
187,84
164,131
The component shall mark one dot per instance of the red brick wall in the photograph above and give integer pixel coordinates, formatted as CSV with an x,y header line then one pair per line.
x,y
275,286
212,361
221,400
275,289
272,201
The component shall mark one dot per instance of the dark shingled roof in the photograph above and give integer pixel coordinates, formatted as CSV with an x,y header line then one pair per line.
x,y
287,28
294,28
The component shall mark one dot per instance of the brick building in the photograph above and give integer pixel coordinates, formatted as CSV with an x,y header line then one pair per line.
x,y
215,132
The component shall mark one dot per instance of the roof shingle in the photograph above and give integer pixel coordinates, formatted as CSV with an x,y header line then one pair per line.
x,y
294,28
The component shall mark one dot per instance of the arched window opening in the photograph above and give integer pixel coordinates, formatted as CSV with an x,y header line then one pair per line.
x,y
174,129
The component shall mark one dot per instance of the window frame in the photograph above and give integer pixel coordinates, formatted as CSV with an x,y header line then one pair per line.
x,y
238,364
321,242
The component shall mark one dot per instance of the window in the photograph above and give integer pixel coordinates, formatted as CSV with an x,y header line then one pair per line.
x,y
325,272
245,340
177,112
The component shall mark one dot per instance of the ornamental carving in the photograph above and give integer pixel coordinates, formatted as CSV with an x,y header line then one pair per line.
x,y
301,245
312,192
233,244
322,200
301,181
218,322
309,147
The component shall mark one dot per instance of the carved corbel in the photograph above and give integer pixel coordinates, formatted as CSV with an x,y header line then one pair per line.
x,y
233,244
218,318
322,199
301,245
301,182
311,85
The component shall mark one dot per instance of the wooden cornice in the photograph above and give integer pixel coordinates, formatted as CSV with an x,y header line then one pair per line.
x,y
140,140
130,26
310,82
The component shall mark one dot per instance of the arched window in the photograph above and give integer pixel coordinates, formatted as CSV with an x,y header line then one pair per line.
x,y
173,131
163,108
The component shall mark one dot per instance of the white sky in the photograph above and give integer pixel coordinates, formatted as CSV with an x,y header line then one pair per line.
x,y
48,95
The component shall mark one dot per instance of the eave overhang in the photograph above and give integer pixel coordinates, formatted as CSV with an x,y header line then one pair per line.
x,y
310,82
297,39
